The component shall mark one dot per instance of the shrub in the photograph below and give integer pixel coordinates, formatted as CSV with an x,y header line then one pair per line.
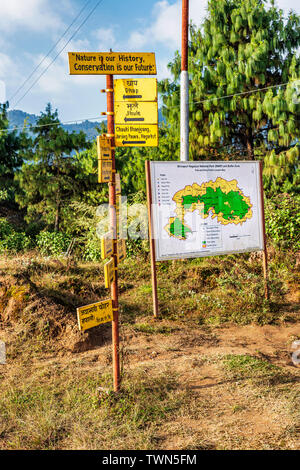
x,y
53,243
16,242
11,240
283,221
5,228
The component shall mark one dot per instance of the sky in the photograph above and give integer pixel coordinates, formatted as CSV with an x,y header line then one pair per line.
x,y
29,29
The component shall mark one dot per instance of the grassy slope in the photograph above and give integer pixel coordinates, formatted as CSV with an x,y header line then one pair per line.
x,y
214,372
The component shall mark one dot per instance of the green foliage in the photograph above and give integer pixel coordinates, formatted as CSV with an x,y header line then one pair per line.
x,y
240,47
11,240
48,178
92,249
283,221
6,228
3,195
52,243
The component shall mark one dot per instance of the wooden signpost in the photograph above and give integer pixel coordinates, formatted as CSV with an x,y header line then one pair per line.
x,y
137,126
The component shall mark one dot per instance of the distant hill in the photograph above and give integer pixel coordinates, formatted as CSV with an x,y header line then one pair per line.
x,y
17,118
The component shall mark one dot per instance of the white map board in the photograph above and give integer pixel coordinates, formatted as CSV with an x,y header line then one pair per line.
x,y
205,208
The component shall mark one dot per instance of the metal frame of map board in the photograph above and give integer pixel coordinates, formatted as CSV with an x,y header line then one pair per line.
x,y
203,253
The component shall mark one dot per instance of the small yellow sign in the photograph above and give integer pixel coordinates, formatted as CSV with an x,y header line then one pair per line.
x,y
112,63
137,135
109,273
94,314
121,249
141,89
104,171
107,245
136,112
104,148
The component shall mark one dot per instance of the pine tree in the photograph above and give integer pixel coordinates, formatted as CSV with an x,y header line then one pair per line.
x,y
11,146
48,177
242,46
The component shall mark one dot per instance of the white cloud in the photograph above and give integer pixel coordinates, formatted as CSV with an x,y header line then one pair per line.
x,y
34,15
106,38
166,24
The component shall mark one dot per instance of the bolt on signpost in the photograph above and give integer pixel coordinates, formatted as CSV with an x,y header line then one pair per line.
x,y
134,129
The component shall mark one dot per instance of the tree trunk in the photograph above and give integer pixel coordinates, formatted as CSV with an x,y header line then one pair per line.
x,y
249,145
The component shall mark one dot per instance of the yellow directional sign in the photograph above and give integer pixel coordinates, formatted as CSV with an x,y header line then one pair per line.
x,y
109,273
104,148
112,63
136,112
107,245
121,247
140,89
94,314
137,135
104,171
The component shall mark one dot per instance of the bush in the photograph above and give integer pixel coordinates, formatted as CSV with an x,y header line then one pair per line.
x,y
283,221
53,243
16,242
92,250
11,240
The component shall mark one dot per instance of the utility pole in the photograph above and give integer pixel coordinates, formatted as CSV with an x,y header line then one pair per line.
x,y
184,85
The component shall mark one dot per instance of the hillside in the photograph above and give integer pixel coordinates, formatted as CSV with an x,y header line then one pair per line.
x,y
214,371
17,118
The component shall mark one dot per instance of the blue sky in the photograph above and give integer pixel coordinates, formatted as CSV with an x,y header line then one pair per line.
x,y
29,28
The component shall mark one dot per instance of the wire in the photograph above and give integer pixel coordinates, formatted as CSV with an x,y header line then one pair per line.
x,y
237,94
54,124
49,52
175,106
44,71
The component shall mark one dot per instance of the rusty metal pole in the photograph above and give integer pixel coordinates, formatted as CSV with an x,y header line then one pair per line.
x,y
184,85
113,227
151,240
265,253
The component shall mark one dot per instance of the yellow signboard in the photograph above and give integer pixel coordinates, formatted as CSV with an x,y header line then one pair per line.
x,y
94,314
104,171
107,245
104,148
112,63
137,135
141,89
109,273
121,247
136,112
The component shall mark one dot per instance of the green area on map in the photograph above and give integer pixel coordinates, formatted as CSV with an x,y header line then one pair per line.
x,y
178,229
230,204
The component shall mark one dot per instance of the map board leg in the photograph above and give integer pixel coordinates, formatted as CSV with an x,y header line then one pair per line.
x,y
151,241
265,254
113,223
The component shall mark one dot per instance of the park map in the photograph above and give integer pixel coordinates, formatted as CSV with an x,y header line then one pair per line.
x,y
224,199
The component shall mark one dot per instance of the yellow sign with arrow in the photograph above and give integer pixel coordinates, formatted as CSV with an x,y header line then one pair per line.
x,y
136,112
141,89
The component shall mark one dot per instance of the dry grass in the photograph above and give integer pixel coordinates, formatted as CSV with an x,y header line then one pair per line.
x,y
194,379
